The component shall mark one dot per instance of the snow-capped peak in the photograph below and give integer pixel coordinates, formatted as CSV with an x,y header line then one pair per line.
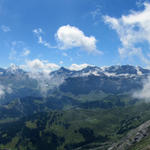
x,y
14,69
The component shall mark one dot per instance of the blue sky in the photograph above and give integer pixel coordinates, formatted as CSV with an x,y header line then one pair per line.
x,y
65,32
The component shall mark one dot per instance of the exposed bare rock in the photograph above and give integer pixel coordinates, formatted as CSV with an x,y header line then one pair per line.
x,y
132,137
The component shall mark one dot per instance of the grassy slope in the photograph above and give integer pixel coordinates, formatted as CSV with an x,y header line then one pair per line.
x,y
72,128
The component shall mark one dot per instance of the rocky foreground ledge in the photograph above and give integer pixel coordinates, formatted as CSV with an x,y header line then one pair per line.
x,y
133,137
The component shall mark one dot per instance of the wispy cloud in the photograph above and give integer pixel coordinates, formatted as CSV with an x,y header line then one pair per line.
x,y
18,50
5,28
133,29
5,90
65,54
96,13
26,52
139,3
13,54
61,62
38,32
2,92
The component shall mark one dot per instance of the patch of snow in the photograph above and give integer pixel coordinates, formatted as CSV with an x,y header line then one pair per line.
x,y
110,74
138,71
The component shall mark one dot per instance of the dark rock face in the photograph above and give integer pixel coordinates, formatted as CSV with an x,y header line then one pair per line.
x,y
125,69
84,85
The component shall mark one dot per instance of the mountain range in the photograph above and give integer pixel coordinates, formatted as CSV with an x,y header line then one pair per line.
x,y
88,109
17,83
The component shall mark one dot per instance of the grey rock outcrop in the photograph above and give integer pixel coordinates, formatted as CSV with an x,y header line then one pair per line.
x,y
133,137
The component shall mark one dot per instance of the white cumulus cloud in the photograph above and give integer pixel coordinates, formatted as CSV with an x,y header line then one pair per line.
x,y
39,70
69,37
38,65
144,93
